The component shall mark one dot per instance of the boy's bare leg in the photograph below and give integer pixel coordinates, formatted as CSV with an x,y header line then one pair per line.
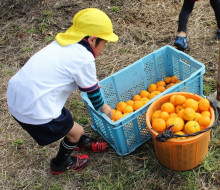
x,y
75,133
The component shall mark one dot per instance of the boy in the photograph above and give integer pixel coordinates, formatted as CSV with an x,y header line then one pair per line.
x,y
37,94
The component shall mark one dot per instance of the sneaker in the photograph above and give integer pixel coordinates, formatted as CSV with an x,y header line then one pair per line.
x,y
73,163
180,42
218,33
88,143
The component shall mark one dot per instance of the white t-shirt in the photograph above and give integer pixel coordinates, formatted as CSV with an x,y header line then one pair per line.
x,y
38,91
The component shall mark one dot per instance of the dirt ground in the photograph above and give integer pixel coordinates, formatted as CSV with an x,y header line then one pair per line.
x,y
143,26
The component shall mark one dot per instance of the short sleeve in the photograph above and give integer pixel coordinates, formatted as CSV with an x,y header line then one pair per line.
x,y
86,78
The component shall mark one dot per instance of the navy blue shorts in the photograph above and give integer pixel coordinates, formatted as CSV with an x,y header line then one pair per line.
x,y
47,133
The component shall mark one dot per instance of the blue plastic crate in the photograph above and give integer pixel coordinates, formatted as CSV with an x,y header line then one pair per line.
x,y
128,133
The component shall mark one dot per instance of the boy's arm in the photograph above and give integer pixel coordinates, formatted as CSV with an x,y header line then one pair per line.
x,y
98,102
107,110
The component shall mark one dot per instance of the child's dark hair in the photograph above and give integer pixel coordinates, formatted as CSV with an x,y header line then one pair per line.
x,y
98,40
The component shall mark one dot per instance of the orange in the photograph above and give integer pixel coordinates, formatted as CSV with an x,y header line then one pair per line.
x,y
130,102
156,114
120,106
197,116
137,105
168,107
161,88
191,103
204,104
118,115
164,115
113,115
158,125
128,109
204,120
144,94
180,113
207,113
152,87
180,133
169,85
144,100
160,83
178,124
192,127
136,97
151,96
170,122
189,114
167,80
202,128
179,99
174,79
156,92
173,115
178,108
179,81
172,99
124,114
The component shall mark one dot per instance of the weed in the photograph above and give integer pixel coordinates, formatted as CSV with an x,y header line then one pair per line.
x,y
209,164
26,49
17,142
32,31
190,180
6,72
43,27
48,14
122,50
209,87
49,38
1,40
115,8
14,27
56,186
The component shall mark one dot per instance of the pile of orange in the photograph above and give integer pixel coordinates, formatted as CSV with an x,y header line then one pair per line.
x,y
187,115
124,108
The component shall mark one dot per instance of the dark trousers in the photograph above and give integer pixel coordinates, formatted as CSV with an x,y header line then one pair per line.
x,y
187,10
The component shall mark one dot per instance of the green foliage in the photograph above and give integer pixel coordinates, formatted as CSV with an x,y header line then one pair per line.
x,y
115,8
209,87
6,71
1,40
48,14
17,142
49,38
14,27
56,186
32,31
26,49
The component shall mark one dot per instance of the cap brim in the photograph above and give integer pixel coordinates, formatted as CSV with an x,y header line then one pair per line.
x,y
112,38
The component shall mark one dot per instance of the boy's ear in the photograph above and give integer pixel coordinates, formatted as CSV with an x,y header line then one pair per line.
x,y
92,40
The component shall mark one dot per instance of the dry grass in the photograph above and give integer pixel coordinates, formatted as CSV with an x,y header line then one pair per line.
x,y
143,26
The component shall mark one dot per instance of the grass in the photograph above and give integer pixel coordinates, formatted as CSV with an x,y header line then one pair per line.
x,y
142,26
209,87
115,8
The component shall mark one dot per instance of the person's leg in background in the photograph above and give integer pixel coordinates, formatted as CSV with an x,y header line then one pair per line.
x,y
181,39
216,7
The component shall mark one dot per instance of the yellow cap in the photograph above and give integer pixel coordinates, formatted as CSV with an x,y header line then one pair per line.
x,y
88,22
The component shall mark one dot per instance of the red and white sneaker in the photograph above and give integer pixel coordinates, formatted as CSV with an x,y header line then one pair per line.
x,y
88,143
73,163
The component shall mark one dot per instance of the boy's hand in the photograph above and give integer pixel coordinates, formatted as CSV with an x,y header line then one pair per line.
x,y
107,110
